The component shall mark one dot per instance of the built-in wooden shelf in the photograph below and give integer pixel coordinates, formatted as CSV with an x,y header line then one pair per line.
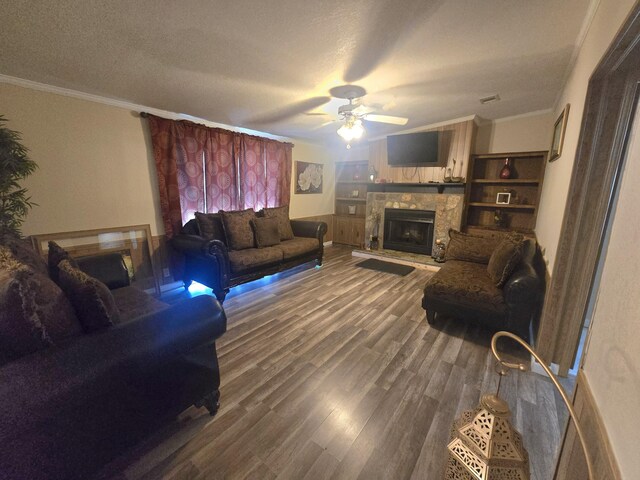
x,y
524,231
511,181
351,199
501,205
351,177
484,185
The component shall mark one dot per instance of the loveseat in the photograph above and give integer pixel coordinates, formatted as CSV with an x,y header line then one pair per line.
x,y
225,249
490,279
72,401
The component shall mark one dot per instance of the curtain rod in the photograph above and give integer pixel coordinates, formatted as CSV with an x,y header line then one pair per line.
x,y
146,115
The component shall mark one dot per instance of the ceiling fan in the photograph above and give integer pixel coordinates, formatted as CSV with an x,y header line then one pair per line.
x,y
354,112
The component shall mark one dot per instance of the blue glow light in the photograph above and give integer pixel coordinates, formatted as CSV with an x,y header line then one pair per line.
x,y
198,289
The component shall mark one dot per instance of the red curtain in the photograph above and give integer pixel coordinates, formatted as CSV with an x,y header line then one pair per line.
x,y
202,169
278,165
178,148
265,172
221,171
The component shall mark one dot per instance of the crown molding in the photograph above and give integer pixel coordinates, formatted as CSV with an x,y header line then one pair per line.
x,y
113,102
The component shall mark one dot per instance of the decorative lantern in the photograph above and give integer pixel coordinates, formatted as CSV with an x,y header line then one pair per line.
x,y
484,445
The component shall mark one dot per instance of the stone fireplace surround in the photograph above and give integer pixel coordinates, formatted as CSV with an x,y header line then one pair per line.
x,y
448,208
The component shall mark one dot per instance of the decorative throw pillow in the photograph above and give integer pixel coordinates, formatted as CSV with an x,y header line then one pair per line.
x,y
284,223
505,259
56,255
470,248
91,299
210,226
237,228
266,231
24,252
34,312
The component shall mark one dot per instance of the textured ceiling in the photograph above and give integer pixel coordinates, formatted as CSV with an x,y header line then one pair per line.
x,y
259,64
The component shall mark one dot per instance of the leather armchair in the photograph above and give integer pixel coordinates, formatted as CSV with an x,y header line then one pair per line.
x,y
463,290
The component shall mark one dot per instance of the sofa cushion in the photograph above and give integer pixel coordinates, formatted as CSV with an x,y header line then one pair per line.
x,y
505,259
133,303
284,223
241,261
22,250
467,284
471,248
210,226
91,299
55,256
237,228
266,231
34,312
298,246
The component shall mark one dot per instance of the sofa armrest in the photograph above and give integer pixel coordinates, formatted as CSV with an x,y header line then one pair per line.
x,y
105,388
109,268
523,287
88,366
207,261
305,228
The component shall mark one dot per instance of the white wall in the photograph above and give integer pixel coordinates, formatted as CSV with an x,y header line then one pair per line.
x,y
607,20
522,133
95,164
612,359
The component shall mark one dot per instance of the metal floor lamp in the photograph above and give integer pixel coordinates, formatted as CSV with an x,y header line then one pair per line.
x,y
484,445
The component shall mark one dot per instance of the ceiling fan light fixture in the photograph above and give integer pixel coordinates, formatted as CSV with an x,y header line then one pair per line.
x,y
352,129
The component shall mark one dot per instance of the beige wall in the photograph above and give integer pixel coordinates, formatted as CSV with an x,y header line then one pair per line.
x,y
95,169
522,133
612,359
313,204
607,20
95,164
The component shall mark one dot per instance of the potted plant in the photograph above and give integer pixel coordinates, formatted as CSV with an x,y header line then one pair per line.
x,y
15,165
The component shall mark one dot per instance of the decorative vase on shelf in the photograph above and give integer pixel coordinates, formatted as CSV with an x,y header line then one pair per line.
x,y
505,173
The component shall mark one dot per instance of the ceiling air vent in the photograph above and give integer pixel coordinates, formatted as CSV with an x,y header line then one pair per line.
x,y
492,98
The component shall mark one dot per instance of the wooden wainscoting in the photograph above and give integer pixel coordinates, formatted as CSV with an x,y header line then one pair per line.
x,y
327,218
161,259
571,464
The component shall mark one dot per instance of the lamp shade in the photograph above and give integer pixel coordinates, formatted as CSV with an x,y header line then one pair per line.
x,y
485,446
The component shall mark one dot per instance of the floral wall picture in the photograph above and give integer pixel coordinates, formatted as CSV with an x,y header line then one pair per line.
x,y
308,177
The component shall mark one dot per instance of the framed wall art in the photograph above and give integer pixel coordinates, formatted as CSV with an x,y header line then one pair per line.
x,y
308,177
559,129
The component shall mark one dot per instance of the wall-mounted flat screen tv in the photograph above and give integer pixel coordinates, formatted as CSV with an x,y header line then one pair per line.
x,y
421,149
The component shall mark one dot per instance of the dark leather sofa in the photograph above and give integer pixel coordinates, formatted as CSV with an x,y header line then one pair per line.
x,y
212,263
463,290
69,409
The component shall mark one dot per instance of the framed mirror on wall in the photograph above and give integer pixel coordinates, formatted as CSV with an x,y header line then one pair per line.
x,y
132,242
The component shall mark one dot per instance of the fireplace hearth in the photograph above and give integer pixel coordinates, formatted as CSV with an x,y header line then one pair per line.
x,y
409,230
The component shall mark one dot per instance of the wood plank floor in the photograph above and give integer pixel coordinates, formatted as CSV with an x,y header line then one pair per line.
x,y
333,373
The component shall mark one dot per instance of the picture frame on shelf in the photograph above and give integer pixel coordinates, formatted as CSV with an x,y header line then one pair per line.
x,y
503,198
352,209
559,128
355,193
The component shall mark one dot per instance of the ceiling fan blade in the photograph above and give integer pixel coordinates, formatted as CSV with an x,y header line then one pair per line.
x,y
288,111
319,127
372,117
315,114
